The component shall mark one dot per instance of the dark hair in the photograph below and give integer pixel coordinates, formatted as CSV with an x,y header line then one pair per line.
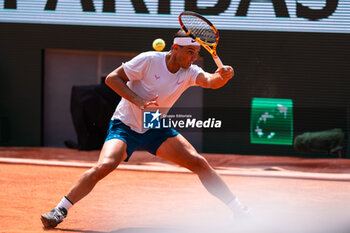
x,y
180,33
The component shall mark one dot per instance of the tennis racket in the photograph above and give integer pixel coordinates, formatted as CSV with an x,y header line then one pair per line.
x,y
202,31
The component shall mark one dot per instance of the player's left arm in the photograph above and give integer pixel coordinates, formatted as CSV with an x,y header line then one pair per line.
x,y
216,80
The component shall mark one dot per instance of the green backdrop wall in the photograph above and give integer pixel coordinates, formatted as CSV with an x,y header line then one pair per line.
x,y
312,69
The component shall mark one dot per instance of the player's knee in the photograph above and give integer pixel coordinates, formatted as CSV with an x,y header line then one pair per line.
x,y
200,165
103,169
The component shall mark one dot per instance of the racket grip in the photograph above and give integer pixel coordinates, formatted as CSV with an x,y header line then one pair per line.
x,y
218,62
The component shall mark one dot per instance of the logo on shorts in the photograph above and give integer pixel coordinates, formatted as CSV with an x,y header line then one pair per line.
x,y
151,120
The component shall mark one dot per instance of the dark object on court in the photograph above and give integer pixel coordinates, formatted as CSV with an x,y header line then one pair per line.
x,y
92,108
329,140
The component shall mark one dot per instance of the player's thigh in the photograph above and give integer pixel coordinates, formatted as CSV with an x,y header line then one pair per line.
x,y
113,152
179,151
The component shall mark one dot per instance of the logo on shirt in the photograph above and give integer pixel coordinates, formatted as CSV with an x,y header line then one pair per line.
x,y
151,120
178,83
157,77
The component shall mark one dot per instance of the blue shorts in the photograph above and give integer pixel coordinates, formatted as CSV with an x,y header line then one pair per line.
x,y
149,141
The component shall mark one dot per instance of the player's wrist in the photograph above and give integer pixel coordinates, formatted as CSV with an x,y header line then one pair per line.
x,y
139,102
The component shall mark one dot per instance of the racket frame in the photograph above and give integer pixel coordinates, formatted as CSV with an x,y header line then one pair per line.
x,y
210,47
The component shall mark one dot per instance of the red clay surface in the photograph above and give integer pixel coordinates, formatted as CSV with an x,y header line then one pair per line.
x,y
129,201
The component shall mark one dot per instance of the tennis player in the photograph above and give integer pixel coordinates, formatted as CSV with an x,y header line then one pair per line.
x,y
152,79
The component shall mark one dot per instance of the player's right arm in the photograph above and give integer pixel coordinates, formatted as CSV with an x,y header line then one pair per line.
x,y
216,80
117,80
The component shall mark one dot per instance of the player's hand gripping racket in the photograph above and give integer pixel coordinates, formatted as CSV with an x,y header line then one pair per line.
x,y
201,30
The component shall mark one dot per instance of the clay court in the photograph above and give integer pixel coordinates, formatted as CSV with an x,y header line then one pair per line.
x,y
150,195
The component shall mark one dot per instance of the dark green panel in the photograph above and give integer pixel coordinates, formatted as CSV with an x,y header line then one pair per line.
x,y
271,121
309,68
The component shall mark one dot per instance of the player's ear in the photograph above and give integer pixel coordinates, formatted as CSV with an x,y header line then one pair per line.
x,y
176,48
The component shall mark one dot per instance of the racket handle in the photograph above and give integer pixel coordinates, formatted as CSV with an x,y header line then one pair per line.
x,y
218,62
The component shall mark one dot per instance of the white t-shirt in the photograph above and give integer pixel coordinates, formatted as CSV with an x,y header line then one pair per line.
x,y
149,77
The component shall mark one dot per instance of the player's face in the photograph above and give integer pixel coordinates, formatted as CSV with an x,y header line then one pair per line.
x,y
186,55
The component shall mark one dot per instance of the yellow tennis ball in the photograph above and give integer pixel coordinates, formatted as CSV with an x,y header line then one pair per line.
x,y
158,44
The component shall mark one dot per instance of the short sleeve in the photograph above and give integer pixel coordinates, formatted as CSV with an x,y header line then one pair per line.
x,y
136,67
194,71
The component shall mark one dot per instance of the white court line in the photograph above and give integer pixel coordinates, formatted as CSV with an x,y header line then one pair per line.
x,y
160,167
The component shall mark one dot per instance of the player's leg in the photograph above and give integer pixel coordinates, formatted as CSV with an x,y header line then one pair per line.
x,y
112,154
179,151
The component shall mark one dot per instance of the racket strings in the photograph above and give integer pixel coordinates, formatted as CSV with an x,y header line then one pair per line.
x,y
199,28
